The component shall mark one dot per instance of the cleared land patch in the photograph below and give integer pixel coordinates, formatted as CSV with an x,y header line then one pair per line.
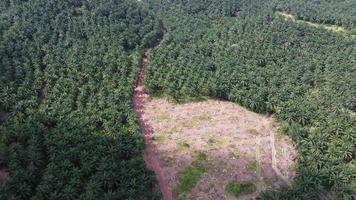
x,y
329,27
218,150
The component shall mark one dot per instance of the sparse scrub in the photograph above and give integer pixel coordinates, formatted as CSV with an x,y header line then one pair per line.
x,y
204,117
168,160
183,144
191,174
162,117
253,131
211,142
253,166
172,129
190,123
160,138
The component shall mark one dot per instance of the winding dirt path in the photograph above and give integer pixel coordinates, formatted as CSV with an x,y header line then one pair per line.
x,y
140,102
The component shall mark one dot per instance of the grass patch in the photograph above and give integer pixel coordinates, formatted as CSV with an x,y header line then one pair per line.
x,y
279,135
285,129
215,141
252,166
191,174
204,117
173,129
183,144
189,177
187,99
167,160
222,141
162,117
190,123
253,131
211,142
201,156
293,167
328,27
159,138
236,189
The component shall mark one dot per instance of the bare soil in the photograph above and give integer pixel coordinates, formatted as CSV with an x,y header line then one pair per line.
x,y
140,100
238,144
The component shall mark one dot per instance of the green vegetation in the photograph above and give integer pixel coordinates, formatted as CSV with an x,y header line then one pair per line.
x,y
204,117
334,12
168,160
201,156
191,123
239,50
253,131
211,142
162,117
333,28
236,189
67,69
191,174
253,166
160,138
183,144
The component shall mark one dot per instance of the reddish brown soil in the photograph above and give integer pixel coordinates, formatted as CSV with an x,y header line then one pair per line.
x,y
140,101
232,138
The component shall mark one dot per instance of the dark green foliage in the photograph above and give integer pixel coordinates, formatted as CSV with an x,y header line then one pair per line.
x,y
304,75
67,69
236,189
337,12
191,174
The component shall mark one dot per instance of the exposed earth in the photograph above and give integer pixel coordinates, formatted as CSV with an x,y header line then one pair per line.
x,y
140,99
237,144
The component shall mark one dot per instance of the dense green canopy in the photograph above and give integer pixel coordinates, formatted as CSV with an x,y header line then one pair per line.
x,y
67,70
243,52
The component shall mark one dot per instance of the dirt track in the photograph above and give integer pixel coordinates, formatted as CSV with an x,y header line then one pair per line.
x,y
140,101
